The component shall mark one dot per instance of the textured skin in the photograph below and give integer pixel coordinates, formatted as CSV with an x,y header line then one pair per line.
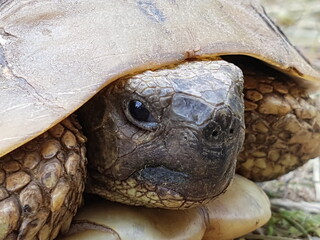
x,y
55,55
282,124
188,153
41,184
58,54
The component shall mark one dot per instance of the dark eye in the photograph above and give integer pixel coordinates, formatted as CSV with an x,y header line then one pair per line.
x,y
138,111
138,114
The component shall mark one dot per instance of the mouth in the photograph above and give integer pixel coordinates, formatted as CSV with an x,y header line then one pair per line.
x,y
157,187
192,188
162,175
172,189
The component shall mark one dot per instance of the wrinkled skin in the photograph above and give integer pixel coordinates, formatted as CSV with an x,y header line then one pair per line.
x,y
172,133
52,50
180,150
42,182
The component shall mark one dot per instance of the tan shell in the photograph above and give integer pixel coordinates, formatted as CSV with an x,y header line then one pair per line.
x,y
55,55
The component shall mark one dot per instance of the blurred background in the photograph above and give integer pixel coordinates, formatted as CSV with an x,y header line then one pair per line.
x,y
300,21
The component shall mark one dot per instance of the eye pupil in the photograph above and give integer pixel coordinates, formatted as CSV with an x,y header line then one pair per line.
x,y
138,111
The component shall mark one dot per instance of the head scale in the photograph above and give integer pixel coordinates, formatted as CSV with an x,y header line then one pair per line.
x,y
166,137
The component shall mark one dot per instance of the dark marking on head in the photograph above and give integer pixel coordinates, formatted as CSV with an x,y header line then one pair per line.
x,y
149,8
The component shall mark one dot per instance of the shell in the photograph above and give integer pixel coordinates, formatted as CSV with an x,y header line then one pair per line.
x,y
55,55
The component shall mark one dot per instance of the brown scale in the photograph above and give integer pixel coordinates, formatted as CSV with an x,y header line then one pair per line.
x,y
282,125
41,184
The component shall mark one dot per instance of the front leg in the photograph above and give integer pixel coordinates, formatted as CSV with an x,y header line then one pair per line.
x,y
42,184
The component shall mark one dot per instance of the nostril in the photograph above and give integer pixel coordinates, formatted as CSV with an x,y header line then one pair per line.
x,y
234,127
224,125
214,133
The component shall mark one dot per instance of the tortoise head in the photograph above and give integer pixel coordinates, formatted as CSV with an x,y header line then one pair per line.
x,y
167,138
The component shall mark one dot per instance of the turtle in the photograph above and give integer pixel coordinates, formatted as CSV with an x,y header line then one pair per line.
x,y
170,100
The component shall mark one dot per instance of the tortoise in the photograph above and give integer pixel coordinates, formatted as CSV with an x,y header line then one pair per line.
x,y
174,122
